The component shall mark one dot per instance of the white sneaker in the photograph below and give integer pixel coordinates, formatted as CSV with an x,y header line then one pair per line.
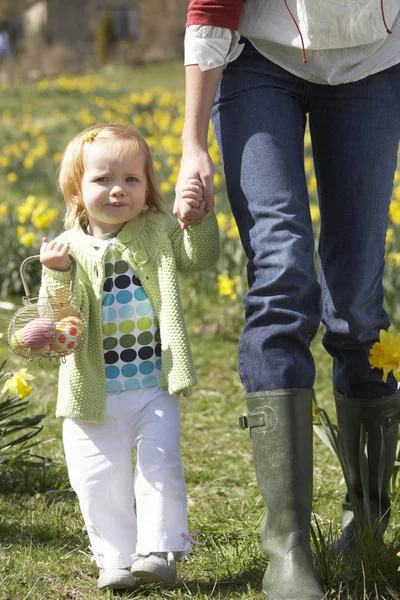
x,y
116,579
155,567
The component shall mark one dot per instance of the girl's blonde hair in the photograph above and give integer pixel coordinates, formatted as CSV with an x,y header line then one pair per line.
x,y
72,168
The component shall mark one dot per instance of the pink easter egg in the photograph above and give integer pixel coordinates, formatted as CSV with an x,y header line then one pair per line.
x,y
37,334
69,332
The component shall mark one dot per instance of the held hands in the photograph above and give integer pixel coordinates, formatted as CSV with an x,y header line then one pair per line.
x,y
195,197
54,255
192,206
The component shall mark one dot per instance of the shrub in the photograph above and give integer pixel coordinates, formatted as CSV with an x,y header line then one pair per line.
x,y
104,38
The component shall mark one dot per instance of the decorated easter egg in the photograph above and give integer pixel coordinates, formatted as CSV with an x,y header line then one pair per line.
x,y
69,332
37,334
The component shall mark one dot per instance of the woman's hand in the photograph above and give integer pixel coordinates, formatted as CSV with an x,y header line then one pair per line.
x,y
54,255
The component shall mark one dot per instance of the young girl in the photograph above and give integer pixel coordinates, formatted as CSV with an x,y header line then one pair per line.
x,y
120,389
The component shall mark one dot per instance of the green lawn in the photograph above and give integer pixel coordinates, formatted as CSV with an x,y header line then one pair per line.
x,y
44,549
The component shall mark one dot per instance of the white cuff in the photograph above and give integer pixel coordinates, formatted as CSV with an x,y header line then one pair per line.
x,y
210,47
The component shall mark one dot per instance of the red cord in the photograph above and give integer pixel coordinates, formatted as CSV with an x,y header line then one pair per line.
x,y
300,34
384,19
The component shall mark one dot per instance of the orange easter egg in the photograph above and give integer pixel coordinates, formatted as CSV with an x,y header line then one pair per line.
x,y
69,332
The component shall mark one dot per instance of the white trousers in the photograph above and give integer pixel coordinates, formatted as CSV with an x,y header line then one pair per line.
x,y
99,460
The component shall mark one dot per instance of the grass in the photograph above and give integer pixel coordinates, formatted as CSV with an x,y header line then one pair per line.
x,y
166,75
44,548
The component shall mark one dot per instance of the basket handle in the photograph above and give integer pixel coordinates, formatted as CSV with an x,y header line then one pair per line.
x,y
37,257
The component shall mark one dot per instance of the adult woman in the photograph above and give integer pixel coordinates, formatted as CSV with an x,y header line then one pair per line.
x,y
340,64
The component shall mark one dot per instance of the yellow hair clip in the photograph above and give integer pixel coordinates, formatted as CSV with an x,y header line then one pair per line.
x,y
89,136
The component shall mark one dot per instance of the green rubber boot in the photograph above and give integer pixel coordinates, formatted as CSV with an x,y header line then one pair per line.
x,y
280,422
380,419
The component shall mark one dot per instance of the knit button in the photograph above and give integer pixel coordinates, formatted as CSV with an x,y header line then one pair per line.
x,y
124,236
140,257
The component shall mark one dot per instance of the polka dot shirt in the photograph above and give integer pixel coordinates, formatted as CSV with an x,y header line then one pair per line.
x,y
131,335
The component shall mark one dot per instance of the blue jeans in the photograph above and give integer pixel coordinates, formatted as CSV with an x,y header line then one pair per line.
x,y
259,118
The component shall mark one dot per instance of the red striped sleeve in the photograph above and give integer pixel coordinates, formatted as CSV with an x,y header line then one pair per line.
x,y
220,13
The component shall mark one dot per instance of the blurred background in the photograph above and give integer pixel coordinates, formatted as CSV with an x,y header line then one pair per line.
x,y
43,37
65,65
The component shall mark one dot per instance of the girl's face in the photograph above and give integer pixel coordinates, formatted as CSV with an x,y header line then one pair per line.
x,y
114,185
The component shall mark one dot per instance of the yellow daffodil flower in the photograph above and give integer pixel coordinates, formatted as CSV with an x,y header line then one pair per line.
x,y
312,184
308,164
29,163
393,258
223,221
385,355
394,212
28,239
166,187
233,231
314,211
17,384
12,177
227,285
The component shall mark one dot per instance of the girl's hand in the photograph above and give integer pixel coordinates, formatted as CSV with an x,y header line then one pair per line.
x,y
54,255
199,170
192,195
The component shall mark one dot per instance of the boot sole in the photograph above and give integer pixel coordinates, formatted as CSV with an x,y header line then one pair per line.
x,y
273,596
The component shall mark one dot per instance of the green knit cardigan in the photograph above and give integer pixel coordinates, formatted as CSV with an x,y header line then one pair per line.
x,y
156,248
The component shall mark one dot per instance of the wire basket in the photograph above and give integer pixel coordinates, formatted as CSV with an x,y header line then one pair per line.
x,y
44,327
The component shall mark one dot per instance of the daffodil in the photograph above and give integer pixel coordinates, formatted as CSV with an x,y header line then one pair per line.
x,y
312,184
227,285
314,211
42,220
393,258
385,354
166,187
308,164
12,177
28,239
233,231
17,384
394,212
29,163
389,237
223,221
217,179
